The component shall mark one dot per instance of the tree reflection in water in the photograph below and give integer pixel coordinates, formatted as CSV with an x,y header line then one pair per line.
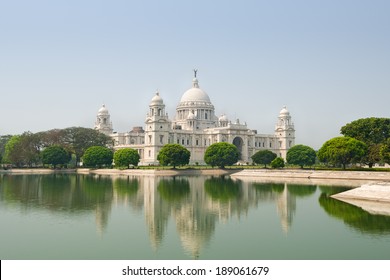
x,y
354,216
173,189
223,189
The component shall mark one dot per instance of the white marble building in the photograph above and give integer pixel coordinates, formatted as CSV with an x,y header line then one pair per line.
x,y
195,126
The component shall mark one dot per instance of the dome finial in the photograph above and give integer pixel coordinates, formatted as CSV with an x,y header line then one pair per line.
x,y
195,83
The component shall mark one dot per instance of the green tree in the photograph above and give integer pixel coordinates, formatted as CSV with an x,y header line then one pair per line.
x,y
368,130
97,156
12,152
3,141
221,154
22,150
342,150
53,137
301,155
125,157
55,155
263,157
374,132
174,155
385,151
277,163
74,139
79,139
373,154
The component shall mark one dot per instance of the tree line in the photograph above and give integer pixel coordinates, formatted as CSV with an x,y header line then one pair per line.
x,y
364,141
34,149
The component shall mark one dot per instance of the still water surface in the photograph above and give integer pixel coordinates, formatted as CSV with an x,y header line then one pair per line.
x,y
200,217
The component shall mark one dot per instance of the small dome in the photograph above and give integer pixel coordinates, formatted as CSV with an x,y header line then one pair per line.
x,y
103,110
223,118
284,111
157,100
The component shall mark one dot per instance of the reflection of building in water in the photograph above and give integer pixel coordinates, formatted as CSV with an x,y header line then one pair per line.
x,y
196,214
102,213
195,208
98,193
285,201
286,204
156,211
195,223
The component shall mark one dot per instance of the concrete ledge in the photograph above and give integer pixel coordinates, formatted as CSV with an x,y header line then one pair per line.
x,y
378,192
314,174
37,171
373,198
127,172
158,172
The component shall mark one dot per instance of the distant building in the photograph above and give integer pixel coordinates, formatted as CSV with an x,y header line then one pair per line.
x,y
196,127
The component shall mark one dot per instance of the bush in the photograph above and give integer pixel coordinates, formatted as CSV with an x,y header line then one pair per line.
x,y
264,157
221,154
55,155
301,155
277,163
97,156
173,154
124,157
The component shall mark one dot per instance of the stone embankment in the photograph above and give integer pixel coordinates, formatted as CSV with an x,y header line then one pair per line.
x,y
314,174
127,172
285,174
374,198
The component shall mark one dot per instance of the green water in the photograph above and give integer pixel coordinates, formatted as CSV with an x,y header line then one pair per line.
x,y
102,217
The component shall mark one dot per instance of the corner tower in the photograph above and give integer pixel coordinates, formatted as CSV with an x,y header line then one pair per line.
x,y
285,132
103,123
157,127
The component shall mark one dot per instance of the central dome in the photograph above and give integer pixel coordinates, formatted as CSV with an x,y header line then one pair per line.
x,y
195,94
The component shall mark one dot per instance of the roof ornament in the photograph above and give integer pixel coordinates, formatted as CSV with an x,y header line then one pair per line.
x,y
195,80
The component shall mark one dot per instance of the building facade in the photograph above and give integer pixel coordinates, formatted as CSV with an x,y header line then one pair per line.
x,y
196,126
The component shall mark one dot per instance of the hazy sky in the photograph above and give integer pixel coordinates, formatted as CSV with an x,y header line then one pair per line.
x,y
327,61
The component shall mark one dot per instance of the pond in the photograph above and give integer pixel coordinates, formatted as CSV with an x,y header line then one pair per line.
x,y
65,217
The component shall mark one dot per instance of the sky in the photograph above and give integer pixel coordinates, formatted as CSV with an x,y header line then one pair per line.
x,y
327,61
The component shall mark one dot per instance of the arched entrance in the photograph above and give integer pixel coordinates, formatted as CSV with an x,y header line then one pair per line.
x,y
239,143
